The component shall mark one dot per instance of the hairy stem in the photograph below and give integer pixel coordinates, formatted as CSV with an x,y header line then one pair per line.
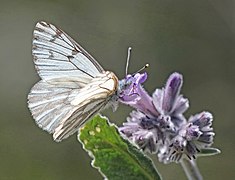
x,y
191,170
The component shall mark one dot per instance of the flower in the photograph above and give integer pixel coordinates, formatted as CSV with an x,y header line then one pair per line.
x,y
158,124
169,102
196,134
132,93
141,132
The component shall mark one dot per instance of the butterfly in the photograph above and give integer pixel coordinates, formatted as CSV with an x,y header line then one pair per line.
x,y
73,86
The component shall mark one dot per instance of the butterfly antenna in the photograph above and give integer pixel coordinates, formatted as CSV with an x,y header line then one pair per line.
x,y
128,59
141,69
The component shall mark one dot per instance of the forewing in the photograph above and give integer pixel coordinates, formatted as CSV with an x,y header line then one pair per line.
x,y
59,59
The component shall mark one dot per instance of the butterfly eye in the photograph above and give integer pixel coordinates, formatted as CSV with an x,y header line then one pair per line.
x,y
127,84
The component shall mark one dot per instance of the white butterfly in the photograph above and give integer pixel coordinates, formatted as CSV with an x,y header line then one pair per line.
x,y
73,86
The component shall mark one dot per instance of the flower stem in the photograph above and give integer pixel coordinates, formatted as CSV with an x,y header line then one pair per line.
x,y
191,170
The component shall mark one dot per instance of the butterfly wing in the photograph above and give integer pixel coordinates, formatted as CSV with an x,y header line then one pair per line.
x,y
74,86
62,111
49,105
90,100
60,60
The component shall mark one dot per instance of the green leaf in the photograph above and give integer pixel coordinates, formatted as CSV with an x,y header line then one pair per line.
x,y
208,152
112,155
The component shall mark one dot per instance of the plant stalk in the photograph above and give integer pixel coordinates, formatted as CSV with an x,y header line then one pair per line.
x,y
191,170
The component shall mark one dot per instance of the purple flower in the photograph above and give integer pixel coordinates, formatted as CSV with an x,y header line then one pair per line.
x,y
140,132
196,134
158,124
132,93
168,100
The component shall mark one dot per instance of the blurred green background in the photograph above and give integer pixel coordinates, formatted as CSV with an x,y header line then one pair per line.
x,y
195,38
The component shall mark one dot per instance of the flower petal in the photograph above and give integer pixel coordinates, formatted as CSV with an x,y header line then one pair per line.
x,y
158,96
181,105
171,91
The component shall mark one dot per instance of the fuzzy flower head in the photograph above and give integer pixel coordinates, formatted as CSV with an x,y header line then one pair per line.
x,y
158,124
196,134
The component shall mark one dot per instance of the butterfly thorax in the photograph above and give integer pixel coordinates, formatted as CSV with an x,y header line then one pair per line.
x,y
110,83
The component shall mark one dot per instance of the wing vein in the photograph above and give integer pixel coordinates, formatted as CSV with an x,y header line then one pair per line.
x,y
60,37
